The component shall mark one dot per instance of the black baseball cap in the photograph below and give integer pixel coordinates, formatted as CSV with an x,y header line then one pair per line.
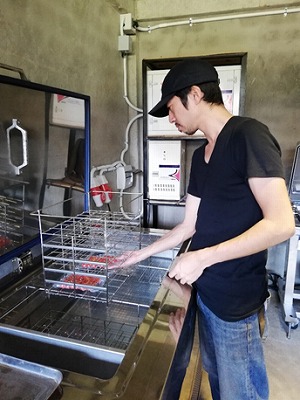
x,y
184,74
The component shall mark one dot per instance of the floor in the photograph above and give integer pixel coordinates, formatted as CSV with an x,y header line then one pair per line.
x,y
282,357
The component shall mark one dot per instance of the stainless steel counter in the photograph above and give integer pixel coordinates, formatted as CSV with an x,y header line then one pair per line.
x,y
143,369
147,362
142,373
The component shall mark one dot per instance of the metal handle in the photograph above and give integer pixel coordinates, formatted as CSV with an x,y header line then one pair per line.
x,y
15,69
15,125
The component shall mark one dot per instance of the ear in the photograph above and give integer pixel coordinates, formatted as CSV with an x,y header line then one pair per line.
x,y
196,93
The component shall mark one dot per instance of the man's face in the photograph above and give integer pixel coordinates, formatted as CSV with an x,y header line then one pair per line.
x,y
182,117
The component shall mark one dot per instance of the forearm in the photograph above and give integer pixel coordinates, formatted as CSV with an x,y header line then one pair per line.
x,y
276,226
189,266
169,240
261,236
178,234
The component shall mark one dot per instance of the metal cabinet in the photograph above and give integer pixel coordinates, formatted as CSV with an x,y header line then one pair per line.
x,y
287,287
287,284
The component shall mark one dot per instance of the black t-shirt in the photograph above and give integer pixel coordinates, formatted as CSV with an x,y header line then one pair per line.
x,y
244,148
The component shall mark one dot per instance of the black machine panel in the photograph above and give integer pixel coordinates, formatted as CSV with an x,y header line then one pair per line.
x,y
44,160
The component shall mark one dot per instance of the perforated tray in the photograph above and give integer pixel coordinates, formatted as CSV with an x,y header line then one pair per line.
x,y
20,379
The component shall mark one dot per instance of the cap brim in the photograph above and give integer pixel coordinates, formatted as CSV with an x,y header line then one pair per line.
x,y
161,109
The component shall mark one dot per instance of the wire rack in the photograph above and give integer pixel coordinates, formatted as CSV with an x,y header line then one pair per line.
x,y
78,256
11,223
105,331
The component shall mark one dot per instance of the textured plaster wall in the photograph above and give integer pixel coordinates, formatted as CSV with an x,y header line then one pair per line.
x,y
147,10
72,44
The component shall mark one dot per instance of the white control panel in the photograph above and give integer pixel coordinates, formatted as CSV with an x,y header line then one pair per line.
x,y
165,169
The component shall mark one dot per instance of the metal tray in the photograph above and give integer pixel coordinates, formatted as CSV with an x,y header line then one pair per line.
x,y
20,379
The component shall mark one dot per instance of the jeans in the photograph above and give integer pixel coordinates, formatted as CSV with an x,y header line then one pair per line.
x,y
232,355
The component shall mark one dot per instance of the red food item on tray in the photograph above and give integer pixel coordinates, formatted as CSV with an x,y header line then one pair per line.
x,y
82,280
109,260
5,241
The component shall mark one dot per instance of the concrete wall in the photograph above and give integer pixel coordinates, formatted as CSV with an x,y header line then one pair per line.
x,y
149,10
271,43
73,44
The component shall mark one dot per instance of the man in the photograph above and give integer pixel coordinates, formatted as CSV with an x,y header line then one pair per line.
x,y
237,206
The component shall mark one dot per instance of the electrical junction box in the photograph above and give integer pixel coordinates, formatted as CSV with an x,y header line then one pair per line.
x,y
125,44
165,170
230,83
124,177
67,111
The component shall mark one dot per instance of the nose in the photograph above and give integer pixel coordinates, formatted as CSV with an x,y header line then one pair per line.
x,y
171,117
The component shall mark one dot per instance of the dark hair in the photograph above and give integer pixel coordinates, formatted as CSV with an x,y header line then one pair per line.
x,y
211,90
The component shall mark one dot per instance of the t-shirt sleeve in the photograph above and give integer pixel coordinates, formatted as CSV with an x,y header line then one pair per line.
x,y
193,186
256,151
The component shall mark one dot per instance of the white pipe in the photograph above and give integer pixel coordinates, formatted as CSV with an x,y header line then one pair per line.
x,y
111,167
123,211
191,21
125,87
127,136
122,160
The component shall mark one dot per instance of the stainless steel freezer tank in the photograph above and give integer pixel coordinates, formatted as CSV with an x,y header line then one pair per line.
x,y
107,331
